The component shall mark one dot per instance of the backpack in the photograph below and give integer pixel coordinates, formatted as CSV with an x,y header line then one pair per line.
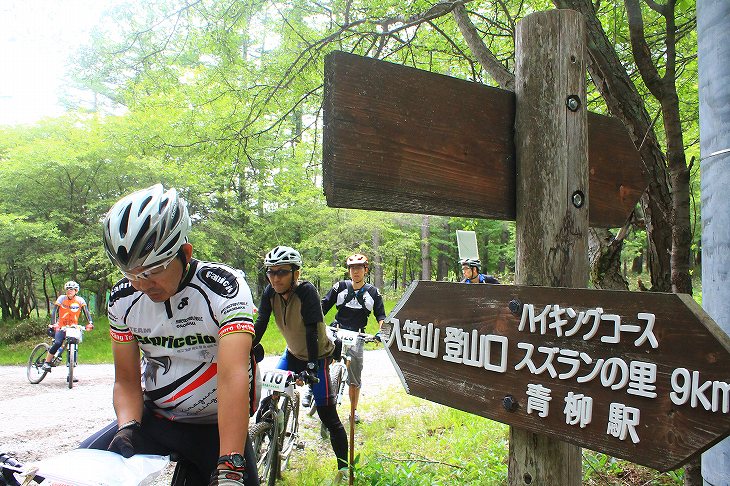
x,y
352,294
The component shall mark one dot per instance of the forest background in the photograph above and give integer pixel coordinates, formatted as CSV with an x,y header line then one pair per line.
x,y
222,99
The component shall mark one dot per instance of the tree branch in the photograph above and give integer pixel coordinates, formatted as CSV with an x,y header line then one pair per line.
x,y
640,49
486,58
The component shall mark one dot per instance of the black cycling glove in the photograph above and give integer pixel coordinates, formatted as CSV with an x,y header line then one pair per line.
x,y
126,440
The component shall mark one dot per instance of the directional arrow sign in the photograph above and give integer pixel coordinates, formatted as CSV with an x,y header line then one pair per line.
x,y
638,375
402,139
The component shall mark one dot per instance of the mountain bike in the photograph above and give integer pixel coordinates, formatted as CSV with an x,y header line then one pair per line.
x,y
275,433
339,368
35,371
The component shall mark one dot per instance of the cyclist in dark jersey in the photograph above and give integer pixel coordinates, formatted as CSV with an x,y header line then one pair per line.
x,y
296,307
355,300
471,268
193,322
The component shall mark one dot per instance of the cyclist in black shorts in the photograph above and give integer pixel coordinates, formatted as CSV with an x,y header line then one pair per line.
x,y
296,307
355,300
193,321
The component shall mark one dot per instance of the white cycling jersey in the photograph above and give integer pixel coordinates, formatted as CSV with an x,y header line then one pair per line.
x,y
179,337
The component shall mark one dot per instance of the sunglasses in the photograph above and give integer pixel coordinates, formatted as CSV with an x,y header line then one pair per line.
x,y
278,273
150,272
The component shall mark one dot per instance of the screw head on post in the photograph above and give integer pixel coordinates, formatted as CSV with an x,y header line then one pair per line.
x,y
572,102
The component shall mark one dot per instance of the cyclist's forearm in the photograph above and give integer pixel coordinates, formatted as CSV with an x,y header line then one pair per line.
x,y
54,311
312,337
128,402
87,314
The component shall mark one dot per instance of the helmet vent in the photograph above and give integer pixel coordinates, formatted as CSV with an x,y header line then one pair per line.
x,y
144,204
124,222
122,255
172,244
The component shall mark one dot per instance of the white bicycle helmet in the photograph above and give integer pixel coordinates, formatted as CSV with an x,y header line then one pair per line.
x,y
71,285
357,259
283,255
146,228
472,262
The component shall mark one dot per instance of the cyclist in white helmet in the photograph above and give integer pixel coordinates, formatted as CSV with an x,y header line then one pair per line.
x,y
471,268
193,321
296,307
65,312
355,299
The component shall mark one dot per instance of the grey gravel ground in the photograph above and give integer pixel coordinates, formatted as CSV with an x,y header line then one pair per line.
x,y
38,421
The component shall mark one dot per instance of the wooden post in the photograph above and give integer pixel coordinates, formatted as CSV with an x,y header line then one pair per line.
x,y
552,199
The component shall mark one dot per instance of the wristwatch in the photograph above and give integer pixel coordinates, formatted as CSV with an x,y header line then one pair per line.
x,y
311,366
234,461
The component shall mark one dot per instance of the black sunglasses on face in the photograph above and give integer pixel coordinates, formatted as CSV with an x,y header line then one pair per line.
x,y
278,273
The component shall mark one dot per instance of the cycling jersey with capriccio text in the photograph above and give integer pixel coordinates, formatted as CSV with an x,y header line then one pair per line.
x,y
179,337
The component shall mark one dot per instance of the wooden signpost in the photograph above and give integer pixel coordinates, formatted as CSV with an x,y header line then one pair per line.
x,y
642,376
400,139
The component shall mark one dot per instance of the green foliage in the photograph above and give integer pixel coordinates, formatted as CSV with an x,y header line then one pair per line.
x,y
14,332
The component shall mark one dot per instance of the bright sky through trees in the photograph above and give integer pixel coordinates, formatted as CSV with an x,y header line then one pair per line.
x,y
36,39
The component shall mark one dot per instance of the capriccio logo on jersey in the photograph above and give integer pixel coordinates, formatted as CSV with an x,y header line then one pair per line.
x,y
219,280
173,342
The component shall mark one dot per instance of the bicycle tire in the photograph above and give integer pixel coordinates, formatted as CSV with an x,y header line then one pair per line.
x,y
339,381
35,371
290,433
265,446
71,358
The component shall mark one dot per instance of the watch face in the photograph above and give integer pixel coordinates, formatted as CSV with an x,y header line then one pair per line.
x,y
238,460
310,366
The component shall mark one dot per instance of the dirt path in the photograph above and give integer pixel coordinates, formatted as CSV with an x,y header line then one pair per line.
x,y
37,421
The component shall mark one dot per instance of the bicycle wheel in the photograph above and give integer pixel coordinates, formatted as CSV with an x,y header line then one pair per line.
x,y
35,370
339,379
71,358
265,446
291,427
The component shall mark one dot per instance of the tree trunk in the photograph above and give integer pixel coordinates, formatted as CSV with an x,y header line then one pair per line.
x,y
426,247
625,102
376,267
605,260
503,240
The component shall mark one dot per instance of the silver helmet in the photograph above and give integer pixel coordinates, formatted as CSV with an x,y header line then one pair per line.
x,y
472,262
283,255
146,228
71,285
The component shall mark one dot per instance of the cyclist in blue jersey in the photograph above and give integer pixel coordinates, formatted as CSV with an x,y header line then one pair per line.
x,y
355,299
471,268
298,314
193,322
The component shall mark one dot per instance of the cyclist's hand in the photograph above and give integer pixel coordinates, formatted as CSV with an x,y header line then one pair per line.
x,y
50,331
309,377
227,477
125,441
90,326
377,337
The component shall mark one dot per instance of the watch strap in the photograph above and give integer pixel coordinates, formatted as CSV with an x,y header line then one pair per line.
x,y
233,461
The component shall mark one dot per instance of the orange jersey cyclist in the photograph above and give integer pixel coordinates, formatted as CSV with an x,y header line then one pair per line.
x,y
66,312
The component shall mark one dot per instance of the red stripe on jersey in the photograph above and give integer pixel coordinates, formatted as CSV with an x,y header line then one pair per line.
x,y
236,327
121,336
199,381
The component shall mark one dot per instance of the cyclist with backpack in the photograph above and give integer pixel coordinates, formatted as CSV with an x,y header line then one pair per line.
x,y
193,322
471,268
355,299
65,312
296,307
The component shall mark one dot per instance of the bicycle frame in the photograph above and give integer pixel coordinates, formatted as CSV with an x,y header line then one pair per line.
x,y
275,433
